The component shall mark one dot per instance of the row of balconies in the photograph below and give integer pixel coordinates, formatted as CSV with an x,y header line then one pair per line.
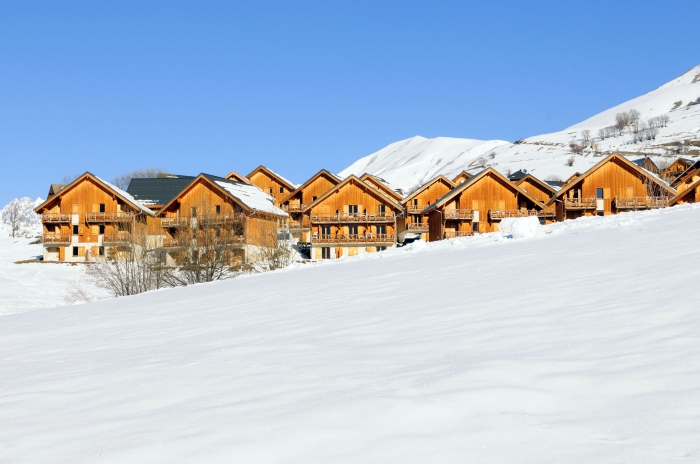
x,y
352,238
55,218
210,219
651,202
106,238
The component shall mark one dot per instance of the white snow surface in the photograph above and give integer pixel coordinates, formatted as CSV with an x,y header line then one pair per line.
x,y
253,197
577,345
412,162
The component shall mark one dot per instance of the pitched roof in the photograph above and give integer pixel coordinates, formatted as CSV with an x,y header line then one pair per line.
x,y
689,170
55,188
684,193
157,191
471,181
534,179
347,180
383,185
463,173
571,182
233,175
426,185
517,175
248,196
126,197
286,183
320,173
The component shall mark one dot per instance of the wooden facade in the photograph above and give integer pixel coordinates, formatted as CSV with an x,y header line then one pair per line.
x,y
689,194
87,218
234,176
381,186
304,195
478,205
537,188
205,206
677,168
648,164
351,218
613,185
271,183
461,177
414,221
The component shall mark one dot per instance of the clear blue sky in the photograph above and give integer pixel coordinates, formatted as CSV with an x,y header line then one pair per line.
x,y
298,86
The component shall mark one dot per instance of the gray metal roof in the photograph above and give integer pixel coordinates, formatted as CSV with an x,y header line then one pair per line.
x,y
158,191
517,175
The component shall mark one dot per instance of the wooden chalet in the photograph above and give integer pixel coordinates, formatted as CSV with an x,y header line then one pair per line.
x,y
540,190
681,182
478,205
414,222
381,185
690,192
677,168
234,176
351,218
211,209
648,164
461,177
271,183
155,193
84,219
54,189
613,185
304,195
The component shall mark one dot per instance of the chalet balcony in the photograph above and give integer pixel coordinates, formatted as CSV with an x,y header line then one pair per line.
x,y
499,214
465,214
415,209
579,203
122,237
51,238
294,208
122,216
635,203
304,224
417,227
347,217
174,242
221,219
55,218
179,221
353,238
458,233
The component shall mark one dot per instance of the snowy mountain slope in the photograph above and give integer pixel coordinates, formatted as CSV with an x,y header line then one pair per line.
x,y
571,346
411,162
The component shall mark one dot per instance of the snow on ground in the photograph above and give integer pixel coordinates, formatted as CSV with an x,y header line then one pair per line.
x,y
577,345
28,286
411,162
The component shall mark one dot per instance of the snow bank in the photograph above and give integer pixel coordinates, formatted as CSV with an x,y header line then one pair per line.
x,y
525,227
468,350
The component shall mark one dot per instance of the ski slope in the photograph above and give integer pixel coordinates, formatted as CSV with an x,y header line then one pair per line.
x,y
411,162
577,345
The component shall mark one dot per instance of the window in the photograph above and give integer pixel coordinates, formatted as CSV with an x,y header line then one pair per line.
x,y
314,198
381,230
352,230
102,229
76,230
600,213
75,251
102,207
194,211
101,251
325,230
281,189
218,209
325,253
599,193
415,202
381,248
475,227
270,190
352,209
381,209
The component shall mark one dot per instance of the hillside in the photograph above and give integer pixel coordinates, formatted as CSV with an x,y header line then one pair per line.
x,y
411,162
558,348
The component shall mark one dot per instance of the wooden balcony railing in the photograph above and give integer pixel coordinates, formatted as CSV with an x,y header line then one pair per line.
x,y
122,216
414,209
547,212
458,233
353,238
417,226
117,238
179,221
347,217
293,208
214,219
640,202
55,217
459,214
174,242
579,203
498,214
49,238
299,225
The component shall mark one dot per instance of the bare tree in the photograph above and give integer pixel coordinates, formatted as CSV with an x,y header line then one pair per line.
x,y
664,119
634,116
67,179
602,134
571,161
12,216
274,250
622,120
586,136
575,147
553,178
122,181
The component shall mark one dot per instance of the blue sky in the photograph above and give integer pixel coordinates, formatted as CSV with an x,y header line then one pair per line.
x,y
299,86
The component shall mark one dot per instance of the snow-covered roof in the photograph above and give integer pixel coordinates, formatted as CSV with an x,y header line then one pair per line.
x,y
127,197
251,196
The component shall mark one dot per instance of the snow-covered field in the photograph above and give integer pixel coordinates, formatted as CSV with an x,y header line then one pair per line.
x,y
411,162
579,345
31,285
